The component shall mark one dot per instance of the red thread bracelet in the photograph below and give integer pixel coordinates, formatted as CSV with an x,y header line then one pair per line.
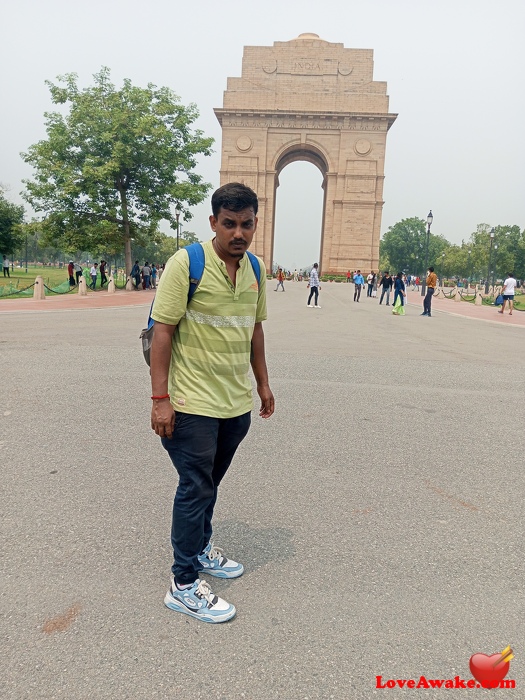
x,y
166,396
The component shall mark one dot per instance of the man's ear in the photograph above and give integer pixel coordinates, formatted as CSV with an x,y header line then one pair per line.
x,y
213,222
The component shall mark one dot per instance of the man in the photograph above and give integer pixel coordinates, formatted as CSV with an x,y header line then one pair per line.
x,y
6,267
135,274
71,273
386,286
370,281
78,272
146,274
103,278
314,287
201,392
93,275
431,286
508,292
348,276
280,279
358,285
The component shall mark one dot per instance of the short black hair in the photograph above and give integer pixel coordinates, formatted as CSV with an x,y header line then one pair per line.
x,y
431,269
234,196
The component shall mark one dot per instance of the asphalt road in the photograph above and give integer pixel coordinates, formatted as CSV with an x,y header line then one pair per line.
x,y
379,514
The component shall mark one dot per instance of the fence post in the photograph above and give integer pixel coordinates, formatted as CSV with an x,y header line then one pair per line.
x,y
82,289
479,298
457,295
38,291
111,285
129,285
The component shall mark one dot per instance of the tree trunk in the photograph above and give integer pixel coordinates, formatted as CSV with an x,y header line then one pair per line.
x,y
127,250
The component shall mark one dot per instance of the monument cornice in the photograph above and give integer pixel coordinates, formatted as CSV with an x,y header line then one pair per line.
x,y
280,119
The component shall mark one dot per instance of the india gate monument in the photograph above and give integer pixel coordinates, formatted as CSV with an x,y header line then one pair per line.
x,y
311,100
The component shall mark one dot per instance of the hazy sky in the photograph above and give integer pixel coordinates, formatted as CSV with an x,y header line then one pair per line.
x,y
454,69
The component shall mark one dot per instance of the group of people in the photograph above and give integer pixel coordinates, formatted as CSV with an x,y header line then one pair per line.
x,y
75,271
146,276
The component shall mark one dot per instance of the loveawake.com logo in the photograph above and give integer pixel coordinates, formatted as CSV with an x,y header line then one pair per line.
x,y
488,672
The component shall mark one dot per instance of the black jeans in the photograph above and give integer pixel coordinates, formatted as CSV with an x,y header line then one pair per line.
x,y
313,290
386,290
427,301
201,449
369,290
6,269
357,292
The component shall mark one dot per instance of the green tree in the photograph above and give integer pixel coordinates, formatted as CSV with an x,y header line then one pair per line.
x,y
404,246
115,165
11,218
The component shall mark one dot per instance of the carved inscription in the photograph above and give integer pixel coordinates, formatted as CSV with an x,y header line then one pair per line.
x,y
305,123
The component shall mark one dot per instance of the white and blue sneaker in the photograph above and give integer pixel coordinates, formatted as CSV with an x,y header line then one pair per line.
x,y
198,601
214,563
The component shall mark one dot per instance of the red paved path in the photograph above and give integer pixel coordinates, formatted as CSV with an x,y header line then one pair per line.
x,y
102,300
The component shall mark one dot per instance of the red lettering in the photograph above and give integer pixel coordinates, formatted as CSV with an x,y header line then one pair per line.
x,y
509,683
435,683
459,683
401,684
411,683
449,683
390,684
471,683
422,683
378,682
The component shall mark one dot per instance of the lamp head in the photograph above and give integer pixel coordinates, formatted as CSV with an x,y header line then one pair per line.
x,y
430,218
492,232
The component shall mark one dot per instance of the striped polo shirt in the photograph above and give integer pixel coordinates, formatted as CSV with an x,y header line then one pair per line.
x,y
210,355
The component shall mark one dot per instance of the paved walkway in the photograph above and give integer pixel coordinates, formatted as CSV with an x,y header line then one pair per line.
x,y
104,300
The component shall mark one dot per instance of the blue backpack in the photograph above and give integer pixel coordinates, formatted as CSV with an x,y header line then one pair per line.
x,y
197,261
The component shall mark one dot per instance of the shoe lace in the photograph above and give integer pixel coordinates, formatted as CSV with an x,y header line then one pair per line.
x,y
215,553
204,591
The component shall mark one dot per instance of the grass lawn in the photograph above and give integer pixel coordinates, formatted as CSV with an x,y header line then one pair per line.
x,y
53,276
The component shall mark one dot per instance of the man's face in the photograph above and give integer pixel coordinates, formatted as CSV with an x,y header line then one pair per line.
x,y
234,231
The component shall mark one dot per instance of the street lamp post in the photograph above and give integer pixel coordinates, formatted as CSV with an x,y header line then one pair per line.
x,y
490,261
494,264
430,219
469,269
26,253
177,216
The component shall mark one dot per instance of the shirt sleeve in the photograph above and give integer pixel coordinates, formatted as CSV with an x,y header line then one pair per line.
x,y
171,299
261,313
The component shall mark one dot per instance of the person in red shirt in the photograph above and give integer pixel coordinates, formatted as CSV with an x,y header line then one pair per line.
x,y
71,273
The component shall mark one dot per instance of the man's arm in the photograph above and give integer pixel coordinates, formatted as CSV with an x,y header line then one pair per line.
x,y
260,371
162,413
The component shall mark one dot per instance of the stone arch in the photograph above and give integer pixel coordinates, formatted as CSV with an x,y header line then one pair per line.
x,y
309,99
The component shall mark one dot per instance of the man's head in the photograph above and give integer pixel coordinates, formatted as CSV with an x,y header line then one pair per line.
x,y
431,269
234,219
316,265
359,272
386,273
510,274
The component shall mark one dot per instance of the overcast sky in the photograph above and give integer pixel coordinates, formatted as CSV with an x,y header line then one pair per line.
x,y
454,69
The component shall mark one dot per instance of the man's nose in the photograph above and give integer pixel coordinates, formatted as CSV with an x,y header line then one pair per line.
x,y
238,232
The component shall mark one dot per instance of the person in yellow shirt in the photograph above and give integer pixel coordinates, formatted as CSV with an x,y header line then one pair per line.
x,y
202,396
431,288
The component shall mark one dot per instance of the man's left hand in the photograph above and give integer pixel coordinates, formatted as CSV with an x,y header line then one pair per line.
x,y
267,401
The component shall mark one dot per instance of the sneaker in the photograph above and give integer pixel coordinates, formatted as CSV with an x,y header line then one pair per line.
x,y
309,306
424,314
198,601
317,306
214,563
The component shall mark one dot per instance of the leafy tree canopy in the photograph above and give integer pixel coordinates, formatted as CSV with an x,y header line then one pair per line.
x,y
11,217
115,165
404,246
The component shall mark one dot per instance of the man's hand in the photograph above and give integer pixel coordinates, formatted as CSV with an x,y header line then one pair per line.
x,y
267,401
162,418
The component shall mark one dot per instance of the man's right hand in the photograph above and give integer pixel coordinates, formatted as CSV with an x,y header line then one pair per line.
x,y
162,417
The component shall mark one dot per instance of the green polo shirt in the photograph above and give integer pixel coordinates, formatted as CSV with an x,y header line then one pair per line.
x,y
210,354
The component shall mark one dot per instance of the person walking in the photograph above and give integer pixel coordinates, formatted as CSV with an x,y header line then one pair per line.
x,y
370,282
135,274
71,273
78,272
280,279
103,277
431,287
314,287
202,395
399,294
93,275
358,285
6,267
508,293
154,276
146,275
348,276
386,285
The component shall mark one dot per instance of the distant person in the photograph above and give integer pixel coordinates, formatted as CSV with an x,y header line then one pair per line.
x,y
71,273
78,272
135,274
295,275
508,292
280,280
416,284
358,285
370,282
399,294
314,287
154,276
348,276
103,277
146,275
6,267
93,275
386,285
431,287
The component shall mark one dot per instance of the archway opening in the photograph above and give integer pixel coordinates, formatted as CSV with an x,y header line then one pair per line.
x,y
298,216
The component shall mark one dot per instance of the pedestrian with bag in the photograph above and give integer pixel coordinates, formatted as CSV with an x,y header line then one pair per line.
x,y
314,286
399,295
431,288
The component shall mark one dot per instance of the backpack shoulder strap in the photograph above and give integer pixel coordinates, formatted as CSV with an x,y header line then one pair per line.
x,y
196,257
255,267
